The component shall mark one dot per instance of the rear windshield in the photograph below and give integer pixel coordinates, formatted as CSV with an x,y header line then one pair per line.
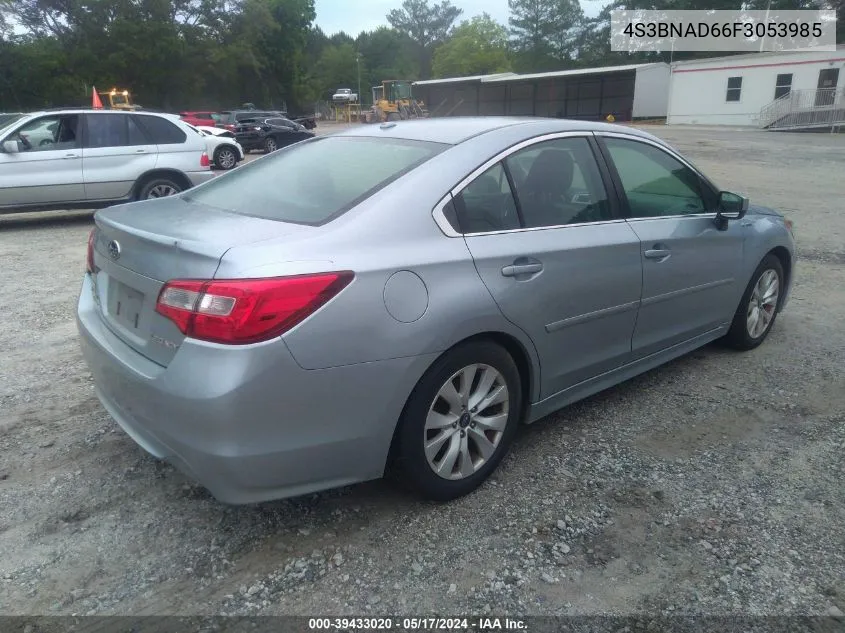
x,y
315,181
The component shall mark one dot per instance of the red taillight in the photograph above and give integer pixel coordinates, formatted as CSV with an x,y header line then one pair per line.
x,y
241,311
204,162
230,127
90,258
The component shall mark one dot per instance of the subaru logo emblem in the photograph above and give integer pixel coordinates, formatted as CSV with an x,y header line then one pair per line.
x,y
114,249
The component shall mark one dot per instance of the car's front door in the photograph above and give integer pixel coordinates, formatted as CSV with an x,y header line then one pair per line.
x,y
691,268
47,166
559,263
116,153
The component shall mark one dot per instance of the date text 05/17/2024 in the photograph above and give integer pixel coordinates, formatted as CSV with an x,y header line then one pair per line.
x,y
480,624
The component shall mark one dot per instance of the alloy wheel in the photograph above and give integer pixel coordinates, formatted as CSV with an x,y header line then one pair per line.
x,y
466,421
162,191
226,159
762,304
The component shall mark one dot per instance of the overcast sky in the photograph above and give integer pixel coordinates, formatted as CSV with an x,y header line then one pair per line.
x,y
365,15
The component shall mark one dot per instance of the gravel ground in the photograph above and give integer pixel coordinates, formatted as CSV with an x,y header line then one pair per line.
x,y
710,485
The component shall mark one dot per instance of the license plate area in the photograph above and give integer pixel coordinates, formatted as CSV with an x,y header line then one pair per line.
x,y
126,305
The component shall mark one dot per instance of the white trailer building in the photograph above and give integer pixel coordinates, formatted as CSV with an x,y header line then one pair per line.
x,y
777,90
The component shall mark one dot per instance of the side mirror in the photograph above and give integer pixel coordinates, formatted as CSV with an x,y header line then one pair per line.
x,y
732,206
11,147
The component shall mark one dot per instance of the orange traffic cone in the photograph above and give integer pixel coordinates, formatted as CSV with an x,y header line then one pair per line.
x,y
95,99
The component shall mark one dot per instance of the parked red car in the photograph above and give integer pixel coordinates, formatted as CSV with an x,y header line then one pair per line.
x,y
200,118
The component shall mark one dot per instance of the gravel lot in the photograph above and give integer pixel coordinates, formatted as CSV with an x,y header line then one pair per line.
x,y
711,485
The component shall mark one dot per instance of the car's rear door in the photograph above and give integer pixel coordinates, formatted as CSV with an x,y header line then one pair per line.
x,y
548,244
175,150
116,153
690,266
47,168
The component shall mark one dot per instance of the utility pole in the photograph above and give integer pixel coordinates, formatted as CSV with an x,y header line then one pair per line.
x,y
358,62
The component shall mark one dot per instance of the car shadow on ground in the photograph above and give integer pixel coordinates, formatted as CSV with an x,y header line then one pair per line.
x,y
54,219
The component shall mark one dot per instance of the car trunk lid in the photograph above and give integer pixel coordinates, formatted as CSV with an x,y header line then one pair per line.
x,y
139,247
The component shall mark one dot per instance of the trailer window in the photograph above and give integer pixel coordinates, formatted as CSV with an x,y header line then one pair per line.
x,y
315,181
734,89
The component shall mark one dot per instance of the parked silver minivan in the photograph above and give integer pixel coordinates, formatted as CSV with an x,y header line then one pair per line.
x,y
77,158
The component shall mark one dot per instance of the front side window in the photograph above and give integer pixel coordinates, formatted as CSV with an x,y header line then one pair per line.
x,y
315,181
655,183
558,182
734,89
48,133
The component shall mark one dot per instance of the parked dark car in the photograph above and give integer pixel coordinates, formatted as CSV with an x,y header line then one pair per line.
x,y
308,122
269,134
229,119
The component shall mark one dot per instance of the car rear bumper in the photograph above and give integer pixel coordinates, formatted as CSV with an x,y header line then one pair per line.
x,y
199,177
247,422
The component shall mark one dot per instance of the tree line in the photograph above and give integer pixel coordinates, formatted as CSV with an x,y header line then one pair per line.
x,y
196,54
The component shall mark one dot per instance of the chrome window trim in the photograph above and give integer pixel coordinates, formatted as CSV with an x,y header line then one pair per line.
x,y
449,231
440,217
710,215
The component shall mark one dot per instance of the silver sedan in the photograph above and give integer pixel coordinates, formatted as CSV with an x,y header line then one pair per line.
x,y
405,296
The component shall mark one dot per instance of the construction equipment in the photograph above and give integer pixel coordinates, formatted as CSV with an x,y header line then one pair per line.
x,y
394,101
116,99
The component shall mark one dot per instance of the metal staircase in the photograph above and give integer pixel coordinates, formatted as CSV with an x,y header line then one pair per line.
x,y
805,110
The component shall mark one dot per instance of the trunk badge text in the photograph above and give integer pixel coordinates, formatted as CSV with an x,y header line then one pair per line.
x,y
114,249
164,342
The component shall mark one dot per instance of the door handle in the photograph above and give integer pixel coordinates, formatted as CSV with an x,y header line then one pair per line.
x,y
71,156
140,151
522,269
657,251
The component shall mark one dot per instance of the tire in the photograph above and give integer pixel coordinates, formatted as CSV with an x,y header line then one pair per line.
x,y
225,157
762,300
457,450
270,145
159,188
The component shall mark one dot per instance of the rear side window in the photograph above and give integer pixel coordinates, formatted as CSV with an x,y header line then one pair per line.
x,y
558,182
161,131
315,181
113,130
487,203
548,184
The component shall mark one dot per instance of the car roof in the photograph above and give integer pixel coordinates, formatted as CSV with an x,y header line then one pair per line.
x,y
94,111
455,130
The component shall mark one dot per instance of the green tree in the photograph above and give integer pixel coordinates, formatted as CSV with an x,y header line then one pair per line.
x,y
426,25
337,68
532,25
385,54
477,47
